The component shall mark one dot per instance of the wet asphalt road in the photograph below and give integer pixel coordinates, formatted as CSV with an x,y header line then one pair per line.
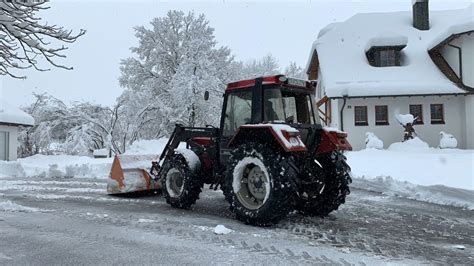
x,y
72,221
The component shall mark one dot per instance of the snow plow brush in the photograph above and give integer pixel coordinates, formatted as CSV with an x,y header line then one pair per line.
x,y
131,173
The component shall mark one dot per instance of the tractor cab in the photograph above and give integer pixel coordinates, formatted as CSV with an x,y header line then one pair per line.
x,y
274,100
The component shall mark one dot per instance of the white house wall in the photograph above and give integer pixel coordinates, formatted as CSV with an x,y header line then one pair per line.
x,y
454,115
469,118
451,55
13,141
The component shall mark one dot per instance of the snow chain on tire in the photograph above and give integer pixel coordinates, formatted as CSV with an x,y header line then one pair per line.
x,y
192,183
282,193
336,188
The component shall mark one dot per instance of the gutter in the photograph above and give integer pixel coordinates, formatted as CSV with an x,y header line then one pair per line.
x,y
341,112
460,59
402,95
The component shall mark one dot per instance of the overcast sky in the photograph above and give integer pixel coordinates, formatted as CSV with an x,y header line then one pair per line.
x,y
251,29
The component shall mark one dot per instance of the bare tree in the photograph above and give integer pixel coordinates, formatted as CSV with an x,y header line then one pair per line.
x,y
24,38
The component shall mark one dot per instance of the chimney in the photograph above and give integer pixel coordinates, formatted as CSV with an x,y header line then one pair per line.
x,y
421,18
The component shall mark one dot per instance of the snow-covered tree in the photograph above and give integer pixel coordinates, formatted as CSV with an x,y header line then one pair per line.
x,y
49,113
265,66
295,71
176,61
24,39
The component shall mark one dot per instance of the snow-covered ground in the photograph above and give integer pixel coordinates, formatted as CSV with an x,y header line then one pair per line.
x,y
413,170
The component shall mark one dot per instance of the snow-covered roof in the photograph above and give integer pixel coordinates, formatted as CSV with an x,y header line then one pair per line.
x,y
344,67
12,115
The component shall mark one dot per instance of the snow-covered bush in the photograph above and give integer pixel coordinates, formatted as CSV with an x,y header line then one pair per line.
x,y
447,141
405,119
372,141
411,144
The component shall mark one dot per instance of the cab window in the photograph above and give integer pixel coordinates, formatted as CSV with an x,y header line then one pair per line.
x,y
238,111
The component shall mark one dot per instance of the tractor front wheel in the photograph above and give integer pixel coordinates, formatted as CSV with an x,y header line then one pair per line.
x,y
259,184
180,184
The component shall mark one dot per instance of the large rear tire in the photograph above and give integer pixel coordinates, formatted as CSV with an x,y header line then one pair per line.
x,y
336,187
259,184
180,184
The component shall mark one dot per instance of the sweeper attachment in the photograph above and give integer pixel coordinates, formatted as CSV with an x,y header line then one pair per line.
x,y
131,173
269,156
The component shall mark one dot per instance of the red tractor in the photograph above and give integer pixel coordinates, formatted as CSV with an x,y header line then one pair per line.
x,y
269,156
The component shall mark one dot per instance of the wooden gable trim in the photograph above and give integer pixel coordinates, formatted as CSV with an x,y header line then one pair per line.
x,y
313,66
443,65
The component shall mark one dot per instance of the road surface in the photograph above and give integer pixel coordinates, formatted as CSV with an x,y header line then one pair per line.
x,y
73,221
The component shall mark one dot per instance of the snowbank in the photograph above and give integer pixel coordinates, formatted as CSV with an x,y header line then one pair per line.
x,y
434,194
409,145
56,166
372,141
447,141
418,173
141,147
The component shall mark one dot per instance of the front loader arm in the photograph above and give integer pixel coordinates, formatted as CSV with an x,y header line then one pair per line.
x,y
182,133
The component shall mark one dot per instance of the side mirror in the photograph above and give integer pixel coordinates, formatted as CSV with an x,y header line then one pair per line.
x,y
206,95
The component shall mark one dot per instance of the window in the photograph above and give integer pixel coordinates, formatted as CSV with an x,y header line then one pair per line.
x,y
385,56
417,111
238,111
360,116
282,105
437,114
381,115
4,149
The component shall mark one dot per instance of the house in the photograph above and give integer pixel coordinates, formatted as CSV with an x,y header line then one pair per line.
x,y
11,118
374,66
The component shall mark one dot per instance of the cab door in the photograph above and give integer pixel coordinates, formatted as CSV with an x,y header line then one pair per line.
x,y
237,111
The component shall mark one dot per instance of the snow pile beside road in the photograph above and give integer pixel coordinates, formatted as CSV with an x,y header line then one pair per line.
x,y
442,176
434,194
56,166
140,147
409,145
8,206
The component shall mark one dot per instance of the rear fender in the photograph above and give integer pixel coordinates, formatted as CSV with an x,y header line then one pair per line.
x,y
282,136
332,140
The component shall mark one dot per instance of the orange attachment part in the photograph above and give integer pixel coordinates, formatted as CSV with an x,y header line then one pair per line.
x,y
128,174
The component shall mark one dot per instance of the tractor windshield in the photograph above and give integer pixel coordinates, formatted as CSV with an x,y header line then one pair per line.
x,y
288,106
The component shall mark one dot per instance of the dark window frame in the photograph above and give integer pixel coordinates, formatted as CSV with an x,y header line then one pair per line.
x,y
385,56
384,121
437,121
366,120
420,120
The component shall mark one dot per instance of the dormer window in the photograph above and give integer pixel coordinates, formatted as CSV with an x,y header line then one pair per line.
x,y
384,56
385,50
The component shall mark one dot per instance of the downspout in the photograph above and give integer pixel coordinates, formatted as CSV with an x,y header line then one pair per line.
x,y
344,97
460,59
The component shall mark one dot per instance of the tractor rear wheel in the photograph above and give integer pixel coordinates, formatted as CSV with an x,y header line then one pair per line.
x,y
259,184
180,184
336,187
